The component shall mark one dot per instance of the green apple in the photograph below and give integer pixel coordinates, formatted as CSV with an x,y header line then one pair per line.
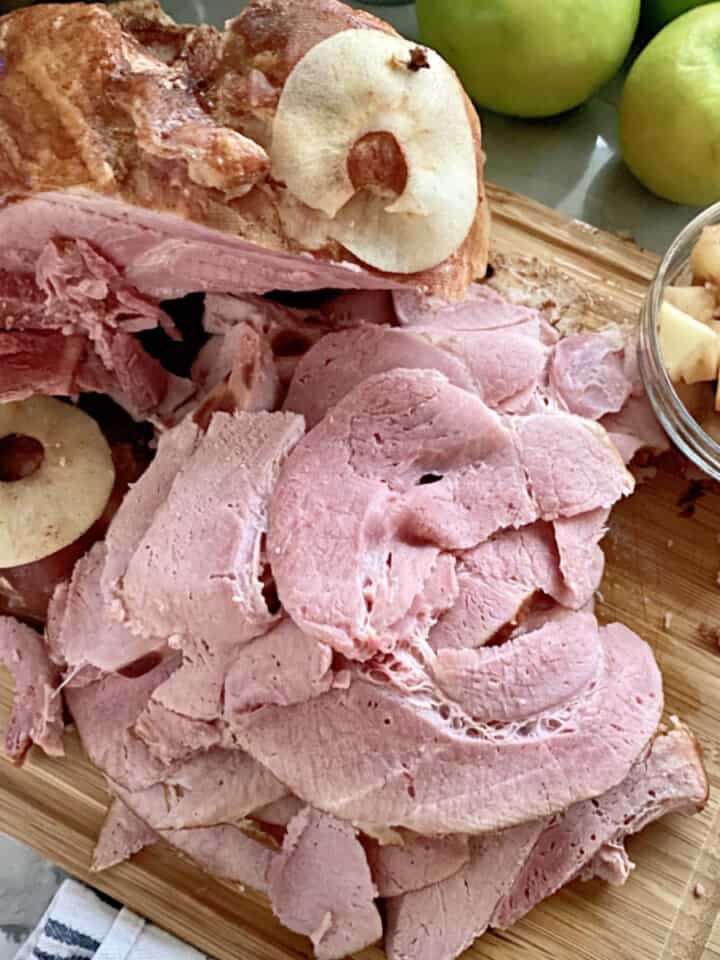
x,y
530,58
670,110
656,13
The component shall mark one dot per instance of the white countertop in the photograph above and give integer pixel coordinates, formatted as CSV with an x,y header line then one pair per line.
x,y
571,164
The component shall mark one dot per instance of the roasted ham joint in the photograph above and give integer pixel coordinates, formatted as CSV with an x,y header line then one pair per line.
x,y
282,473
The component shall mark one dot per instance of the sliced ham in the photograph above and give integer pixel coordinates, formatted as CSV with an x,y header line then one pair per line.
x,y
572,466
216,787
138,509
443,772
225,852
669,777
37,713
636,428
440,921
582,561
320,885
503,367
195,572
424,467
105,711
417,863
525,677
216,500
497,582
123,834
510,872
171,737
482,308
589,374
164,256
281,668
81,632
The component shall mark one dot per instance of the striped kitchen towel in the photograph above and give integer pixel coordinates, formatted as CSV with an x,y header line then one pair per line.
x,y
78,925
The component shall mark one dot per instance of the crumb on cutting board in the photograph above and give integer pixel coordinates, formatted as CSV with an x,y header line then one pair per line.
x,y
708,634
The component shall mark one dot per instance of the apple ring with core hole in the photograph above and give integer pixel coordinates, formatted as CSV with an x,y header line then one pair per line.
x,y
373,131
56,476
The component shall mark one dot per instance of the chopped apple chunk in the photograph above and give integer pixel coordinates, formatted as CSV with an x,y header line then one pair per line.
x,y
705,259
690,349
699,302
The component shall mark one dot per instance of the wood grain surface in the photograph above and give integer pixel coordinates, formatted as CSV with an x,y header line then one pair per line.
x,y
659,563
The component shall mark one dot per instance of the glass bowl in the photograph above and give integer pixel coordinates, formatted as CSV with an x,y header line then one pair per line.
x,y
680,425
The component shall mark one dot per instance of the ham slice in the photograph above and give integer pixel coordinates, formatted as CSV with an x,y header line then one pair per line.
x,y
281,668
417,863
122,836
445,772
81,633
37,714
589,374
510,872
424,467
105,711
503,368
439,922
668,777
211,788
195,573
320,885
225,852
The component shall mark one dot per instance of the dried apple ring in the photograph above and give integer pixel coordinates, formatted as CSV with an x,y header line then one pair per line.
x,y
364,84
64,495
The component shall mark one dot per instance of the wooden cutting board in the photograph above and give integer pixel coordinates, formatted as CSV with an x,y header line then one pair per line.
x,y
658,563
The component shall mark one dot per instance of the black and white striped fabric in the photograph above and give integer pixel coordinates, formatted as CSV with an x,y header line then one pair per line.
x,y
78,925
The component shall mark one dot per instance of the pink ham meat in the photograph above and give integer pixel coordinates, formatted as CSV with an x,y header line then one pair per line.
x,y
163,256
290,332
215,787
225,852
440,921
525,677
235,372
636,428
582,561
320,885
37,714
104,713
123,834
138,509
281,668
442,770
497,582
572,466
172,738
423,467
611,864
75,293
482,308
503,368
417,863
80,631
670,777
510,872
589,374
195,573
39,362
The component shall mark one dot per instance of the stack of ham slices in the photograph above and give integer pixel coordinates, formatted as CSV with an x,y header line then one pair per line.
x,y
337,641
